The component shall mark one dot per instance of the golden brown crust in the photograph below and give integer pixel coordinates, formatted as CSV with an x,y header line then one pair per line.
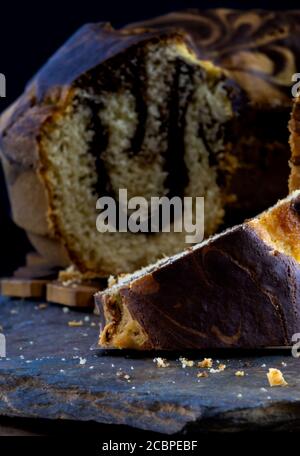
x,y
280,227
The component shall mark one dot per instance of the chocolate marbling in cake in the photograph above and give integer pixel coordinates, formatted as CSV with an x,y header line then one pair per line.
x,y
189,104
238,289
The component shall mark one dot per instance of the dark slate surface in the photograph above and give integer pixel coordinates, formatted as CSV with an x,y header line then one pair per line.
x,y
42,378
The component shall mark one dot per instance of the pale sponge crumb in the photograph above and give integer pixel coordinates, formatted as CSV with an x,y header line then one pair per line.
x,y
71,169
186,362
161,362
239,373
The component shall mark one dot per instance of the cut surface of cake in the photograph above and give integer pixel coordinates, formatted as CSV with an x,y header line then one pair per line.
x,y
156,109
238,289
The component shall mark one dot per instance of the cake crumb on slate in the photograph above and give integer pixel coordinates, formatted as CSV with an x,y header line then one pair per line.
x,y
161,362
276,378
186,362
122,375
214,371
203,374
42,306
74,323
239,374
205,363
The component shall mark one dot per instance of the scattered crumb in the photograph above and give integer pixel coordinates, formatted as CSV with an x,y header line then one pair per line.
x,y
22,357
111,281
71,282
264,390
202,374
205,363
263,365
161,362
133,387
214,371
239,374
283,364
74,323
239,395
86,318
82,361
91,367
276,378
269,397
62,371
93,323
186,362
222,367
69,276
66,310
122,374
42,306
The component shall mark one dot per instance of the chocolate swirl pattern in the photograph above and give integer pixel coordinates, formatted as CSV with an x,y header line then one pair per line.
x,y
260,49
188,104
233,291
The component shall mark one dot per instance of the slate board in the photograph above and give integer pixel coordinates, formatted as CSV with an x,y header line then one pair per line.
x,y
42,378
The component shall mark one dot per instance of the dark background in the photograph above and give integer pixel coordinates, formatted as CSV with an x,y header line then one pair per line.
x,y
30,32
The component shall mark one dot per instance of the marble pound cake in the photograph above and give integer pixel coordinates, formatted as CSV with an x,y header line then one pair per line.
x,y
190,104
238,289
